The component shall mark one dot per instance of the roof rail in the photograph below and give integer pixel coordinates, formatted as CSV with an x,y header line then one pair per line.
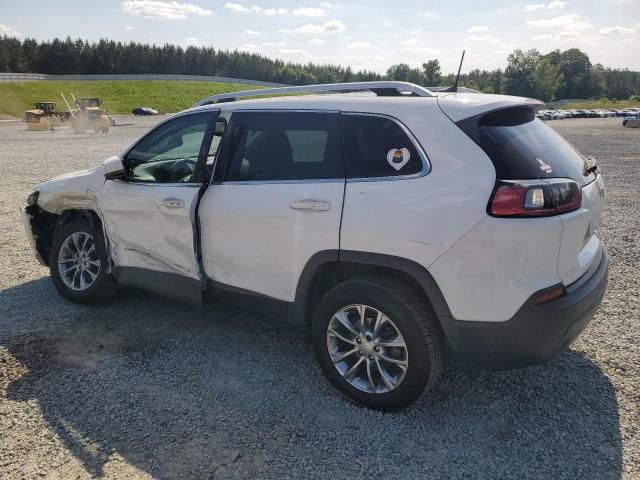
x,y
384,88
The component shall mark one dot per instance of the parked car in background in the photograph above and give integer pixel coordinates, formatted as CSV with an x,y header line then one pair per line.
x,y
393,228
631,122
144,111
547,115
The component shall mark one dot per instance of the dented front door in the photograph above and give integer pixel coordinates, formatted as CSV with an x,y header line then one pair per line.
x,y
149,216
151,226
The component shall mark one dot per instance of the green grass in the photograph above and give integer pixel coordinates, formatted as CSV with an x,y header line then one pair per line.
x,y
118,96
602,103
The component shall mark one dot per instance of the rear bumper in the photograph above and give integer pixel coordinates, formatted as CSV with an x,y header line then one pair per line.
x,y
536,333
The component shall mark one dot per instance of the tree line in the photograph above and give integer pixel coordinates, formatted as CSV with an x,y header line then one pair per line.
x,y
555,75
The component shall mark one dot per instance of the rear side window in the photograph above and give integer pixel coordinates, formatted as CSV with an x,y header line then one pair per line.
x,y
284,146
377,147
523,147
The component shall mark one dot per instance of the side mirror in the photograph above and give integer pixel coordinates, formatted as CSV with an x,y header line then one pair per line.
x,y
113,168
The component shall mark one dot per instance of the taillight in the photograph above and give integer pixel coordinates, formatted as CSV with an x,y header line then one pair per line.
x,y
534,198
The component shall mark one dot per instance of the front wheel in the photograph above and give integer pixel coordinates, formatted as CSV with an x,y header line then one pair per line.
x,y
78,263
378,342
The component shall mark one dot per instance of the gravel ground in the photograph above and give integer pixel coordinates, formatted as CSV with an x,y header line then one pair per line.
x,y
146,387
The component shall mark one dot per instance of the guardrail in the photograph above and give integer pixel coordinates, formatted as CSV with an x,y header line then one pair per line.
x,y
31,77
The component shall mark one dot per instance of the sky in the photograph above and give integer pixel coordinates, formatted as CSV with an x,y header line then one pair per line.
x,y
368,35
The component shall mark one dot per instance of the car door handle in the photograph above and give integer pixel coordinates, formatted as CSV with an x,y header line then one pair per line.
x,y
172,203
311,205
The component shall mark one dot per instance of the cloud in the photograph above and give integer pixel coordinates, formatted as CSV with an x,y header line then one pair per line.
x,y
411,41
285,51
316,41
616,30
331,26
568,34
478,28
191,41
309,12
236,7
8,31
422,50
249,46
481,39
555,5
567,22
269,11
429,15
157,10
358,45
542,37
129,27
251,32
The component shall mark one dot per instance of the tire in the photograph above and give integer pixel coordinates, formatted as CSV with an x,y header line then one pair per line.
x,y
411,317
101,288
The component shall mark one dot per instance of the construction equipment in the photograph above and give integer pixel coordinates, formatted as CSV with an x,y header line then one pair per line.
x,y
88,115
44,116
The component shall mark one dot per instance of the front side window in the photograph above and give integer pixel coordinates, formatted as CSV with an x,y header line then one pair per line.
x,y
170,153
377,147
284,146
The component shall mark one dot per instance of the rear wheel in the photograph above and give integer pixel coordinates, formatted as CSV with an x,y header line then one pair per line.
x,y
378,342
78,264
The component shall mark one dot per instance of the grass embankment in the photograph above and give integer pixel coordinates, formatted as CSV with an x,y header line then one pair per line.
x,y
118,96
603,103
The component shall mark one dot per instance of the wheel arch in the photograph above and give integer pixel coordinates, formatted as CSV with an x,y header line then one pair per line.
x,y
328,268
45,224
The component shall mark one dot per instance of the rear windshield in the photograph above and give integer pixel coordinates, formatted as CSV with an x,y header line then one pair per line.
x,y
523,147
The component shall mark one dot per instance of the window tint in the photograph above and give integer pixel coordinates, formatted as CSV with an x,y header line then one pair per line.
x,y
284,146
169,154
523,147
377,147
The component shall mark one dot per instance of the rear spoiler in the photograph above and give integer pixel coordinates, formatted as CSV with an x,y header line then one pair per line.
x,y
459,106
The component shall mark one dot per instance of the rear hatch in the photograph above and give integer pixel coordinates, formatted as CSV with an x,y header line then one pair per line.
x,y
527,153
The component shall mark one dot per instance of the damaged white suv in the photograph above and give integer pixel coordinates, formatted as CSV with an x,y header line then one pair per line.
x,y
394,228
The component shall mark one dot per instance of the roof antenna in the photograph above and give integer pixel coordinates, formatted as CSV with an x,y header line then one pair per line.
x,y
455,85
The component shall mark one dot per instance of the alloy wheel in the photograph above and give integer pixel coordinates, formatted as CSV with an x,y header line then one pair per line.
x,y
367,349
78,262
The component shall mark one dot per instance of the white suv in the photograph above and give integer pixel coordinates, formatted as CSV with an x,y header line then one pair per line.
x,y
394,228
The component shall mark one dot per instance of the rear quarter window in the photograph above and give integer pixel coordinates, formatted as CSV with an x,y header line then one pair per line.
x,y
377,146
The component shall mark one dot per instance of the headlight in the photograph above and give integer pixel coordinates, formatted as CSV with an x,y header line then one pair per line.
x,y
32,199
